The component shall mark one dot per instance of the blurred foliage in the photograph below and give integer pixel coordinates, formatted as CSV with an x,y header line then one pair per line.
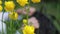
x,y
50,7
53,8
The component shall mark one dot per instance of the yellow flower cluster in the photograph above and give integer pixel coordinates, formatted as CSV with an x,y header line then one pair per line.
x,y
25,21
22,2
28,30
1,8
36,1
9,5
13,15
0,2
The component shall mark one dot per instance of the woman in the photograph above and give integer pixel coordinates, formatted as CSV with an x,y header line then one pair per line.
x,y
41,23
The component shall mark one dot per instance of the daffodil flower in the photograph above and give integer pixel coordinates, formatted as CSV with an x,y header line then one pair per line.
x,y
13,15
0,2
22,2
36,1
1,8
28,30
25,21
9,5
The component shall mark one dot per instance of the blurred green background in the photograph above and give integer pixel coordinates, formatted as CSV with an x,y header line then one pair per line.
x,y
53,8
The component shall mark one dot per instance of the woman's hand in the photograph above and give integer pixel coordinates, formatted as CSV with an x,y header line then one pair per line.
x,y
34,22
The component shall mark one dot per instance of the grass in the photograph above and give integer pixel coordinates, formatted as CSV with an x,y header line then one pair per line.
x,y
54,9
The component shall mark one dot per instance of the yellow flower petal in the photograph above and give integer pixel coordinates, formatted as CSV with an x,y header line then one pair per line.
x,y
22,2
28,29
0,2
13,15
9,5
1,8
25,21
36,1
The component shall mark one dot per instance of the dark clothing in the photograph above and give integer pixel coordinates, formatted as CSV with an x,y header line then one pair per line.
x,y
46,26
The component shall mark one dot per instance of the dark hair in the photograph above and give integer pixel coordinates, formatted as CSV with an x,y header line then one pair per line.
x,y
46,25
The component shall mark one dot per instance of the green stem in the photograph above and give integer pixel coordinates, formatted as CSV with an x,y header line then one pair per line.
x,y
28,11
11,25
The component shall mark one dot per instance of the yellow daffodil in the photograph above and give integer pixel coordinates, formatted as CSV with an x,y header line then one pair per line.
x,y
22,2
25,21
36,1
13,15
28,29
9,5
1,8
0,2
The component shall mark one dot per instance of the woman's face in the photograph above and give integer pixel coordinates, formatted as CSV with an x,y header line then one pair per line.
x,y
31,11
